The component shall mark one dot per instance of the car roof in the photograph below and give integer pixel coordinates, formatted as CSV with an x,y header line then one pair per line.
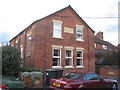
x,y
81,72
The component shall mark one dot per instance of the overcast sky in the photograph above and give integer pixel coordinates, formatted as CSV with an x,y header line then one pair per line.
x,y
16,15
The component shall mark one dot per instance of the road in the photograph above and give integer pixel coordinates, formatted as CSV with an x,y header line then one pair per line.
x,y
118,86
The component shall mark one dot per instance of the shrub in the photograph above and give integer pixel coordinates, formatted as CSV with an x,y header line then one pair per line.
x,y
11,60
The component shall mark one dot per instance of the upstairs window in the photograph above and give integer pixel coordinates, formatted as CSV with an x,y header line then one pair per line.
x,y
104,46
16,44
21,52
95,45
57,30
69,58
79,33
22,55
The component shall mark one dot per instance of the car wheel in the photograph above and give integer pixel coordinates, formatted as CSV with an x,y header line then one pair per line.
x,y
114,87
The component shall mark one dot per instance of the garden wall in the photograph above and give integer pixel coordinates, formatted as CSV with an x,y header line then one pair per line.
x,y
112,72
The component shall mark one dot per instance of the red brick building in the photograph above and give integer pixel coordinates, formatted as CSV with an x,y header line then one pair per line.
x,y
61,40
102,48
118,46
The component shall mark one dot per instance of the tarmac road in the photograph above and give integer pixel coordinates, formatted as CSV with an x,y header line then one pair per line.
x,y
118,86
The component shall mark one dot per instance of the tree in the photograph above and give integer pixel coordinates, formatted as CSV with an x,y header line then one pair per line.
x,y
111,58
11,60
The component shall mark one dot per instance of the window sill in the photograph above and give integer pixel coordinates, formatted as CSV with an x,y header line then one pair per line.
x,y
79,66
69,67
79,40
56,67
57,37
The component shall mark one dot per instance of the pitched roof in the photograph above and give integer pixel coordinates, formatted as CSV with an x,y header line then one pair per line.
x,y
118,46
51,15
101,41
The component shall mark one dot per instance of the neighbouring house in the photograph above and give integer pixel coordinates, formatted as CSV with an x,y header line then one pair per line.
x,y
106,58
61,40
102,48
118,46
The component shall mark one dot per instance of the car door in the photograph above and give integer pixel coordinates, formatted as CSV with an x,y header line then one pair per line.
x,y
92,80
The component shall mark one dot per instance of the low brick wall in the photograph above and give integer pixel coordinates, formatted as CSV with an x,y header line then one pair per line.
x,y
112,72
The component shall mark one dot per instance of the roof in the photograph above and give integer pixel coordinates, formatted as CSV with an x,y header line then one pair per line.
x,y
118,46
51,15
101,41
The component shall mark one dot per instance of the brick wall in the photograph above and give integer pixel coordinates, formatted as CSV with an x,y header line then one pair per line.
x,y
109,71
44,41
38,51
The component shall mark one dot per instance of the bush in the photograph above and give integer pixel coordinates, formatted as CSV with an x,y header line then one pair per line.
x,y
11,60
111,58
11,82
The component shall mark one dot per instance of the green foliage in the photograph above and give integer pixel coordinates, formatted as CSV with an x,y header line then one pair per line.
x,y
16,84
11,82
11,60
111,59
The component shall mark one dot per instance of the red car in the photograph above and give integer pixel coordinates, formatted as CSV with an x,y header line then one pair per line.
x,y
2,87
82,81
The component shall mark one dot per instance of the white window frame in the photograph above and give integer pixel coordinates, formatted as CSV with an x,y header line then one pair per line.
x,y
104,47
21,49
56,57
79,58
57,29
80,33
71,66
95,45
22,56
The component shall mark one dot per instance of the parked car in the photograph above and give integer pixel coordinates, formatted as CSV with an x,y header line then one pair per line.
x,y
3,87
78,80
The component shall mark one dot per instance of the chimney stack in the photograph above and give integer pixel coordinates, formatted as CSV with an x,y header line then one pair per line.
x,y
100,34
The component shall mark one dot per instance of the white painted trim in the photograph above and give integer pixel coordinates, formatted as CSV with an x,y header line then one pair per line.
x,y
54,21
57,37
56,67
70,57
82,58
79,66
68,67
81,27
56,56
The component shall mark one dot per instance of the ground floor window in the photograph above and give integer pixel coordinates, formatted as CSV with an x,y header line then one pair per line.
x,y
79,58
56,57
69,57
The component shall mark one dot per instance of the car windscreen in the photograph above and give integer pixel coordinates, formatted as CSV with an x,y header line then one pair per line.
x,y
73,75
